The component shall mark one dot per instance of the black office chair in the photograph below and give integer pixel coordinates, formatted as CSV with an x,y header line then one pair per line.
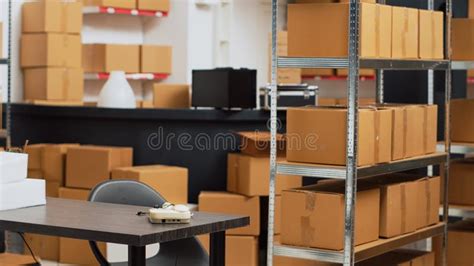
x,y
181,252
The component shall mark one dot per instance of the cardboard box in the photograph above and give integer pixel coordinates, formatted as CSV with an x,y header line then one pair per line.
x,y
170,181
321,30
45,247
171,96
52,189
53,84
146,104
431,32
362,101
34,156
156,59
74,251
51,50
128,4
414,130
54,163
257,143
461,182
250,176
318,135
460,239
362,72
52,16
110,57
316,72
318,211
462,111
327,101
428,201
86,166
398,203
225,202
35,174
239,250
154,5
287,76
55,102
462,39
10,259
404,33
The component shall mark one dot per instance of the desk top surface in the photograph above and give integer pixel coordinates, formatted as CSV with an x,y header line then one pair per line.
x,y
110,222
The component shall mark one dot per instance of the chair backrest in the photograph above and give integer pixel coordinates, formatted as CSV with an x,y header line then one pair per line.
x,y
126,192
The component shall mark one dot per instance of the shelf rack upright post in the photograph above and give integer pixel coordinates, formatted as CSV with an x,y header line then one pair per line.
x,y
6,134
350,255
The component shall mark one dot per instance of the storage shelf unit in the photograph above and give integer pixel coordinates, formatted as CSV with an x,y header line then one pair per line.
x,y
388,64
130,76
362,252
339,172
351,254
122,11
460,211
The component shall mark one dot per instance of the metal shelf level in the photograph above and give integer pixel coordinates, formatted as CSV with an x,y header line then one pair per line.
x,y
129,76
362,252
458,147
462,65
459,211
389,64
122,11
339,172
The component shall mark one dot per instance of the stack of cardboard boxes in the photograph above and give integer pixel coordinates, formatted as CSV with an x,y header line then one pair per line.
x,y
247,186
386,133
71,171
99,58
151,5
321,30
51,52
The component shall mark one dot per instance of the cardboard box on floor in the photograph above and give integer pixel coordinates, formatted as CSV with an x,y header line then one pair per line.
x,y
74,251
309,143
54,162
318,211
45,247
111,3
156,59
110,57
462,111
404,33
461,182
170,181
154,5
240,250
398,203
462,39
52,16
257,143
53,83
86,166
321,30
171,96
431,32
50,50
249,175
225,202
34,152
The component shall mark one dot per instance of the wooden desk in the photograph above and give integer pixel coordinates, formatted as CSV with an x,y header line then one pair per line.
x,y
115,223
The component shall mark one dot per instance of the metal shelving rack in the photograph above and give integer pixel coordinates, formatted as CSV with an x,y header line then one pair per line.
x,y
351,254
6,133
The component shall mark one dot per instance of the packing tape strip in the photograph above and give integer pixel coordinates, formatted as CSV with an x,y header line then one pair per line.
x,y
403,204
405,32
307,231
425,128
405,133
65,83
377,30
433,35
377,137
428,201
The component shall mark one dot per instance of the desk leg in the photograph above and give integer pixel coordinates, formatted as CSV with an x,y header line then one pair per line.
x,y
136,256
217,249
